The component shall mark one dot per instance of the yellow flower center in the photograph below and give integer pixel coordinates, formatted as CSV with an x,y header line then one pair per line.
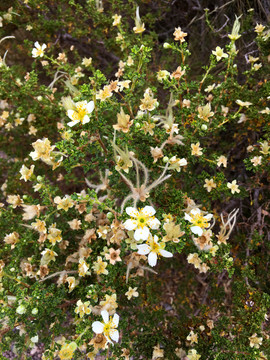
x,y
108,327
199,220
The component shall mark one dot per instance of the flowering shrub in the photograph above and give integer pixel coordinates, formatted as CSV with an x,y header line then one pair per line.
x,y
134,200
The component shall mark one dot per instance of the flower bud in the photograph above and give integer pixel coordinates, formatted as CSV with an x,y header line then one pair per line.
x,y
204,127
165,159
166,45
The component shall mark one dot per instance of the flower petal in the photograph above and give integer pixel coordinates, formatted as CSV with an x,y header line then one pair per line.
x,y
131,211
130,224
90,107
196,230
97,327
85,119
116,319
141,233
152,258
70,114
195,211
144,249
105,316
72,123
208,216
166,253
187,217
114,335
148,211
153,223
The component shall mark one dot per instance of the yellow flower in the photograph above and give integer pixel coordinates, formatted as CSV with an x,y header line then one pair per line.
x,y
100,266
54,234
87,62
235,30
233,187
243,103
40,226
259,28
42,151
116,20
205,112
222,160
219,53
47,256
196,150
131,293
264,148
67,350
26,172
83,268
82,308
255,341
38,50
105,93
209,184
64,203
148,102
192,337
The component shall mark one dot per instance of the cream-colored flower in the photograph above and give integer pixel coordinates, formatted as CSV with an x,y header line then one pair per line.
x,y
259,28
148,102
42,151
67,351
233,187
87,61
65,203
123,122
204,242
222,160
38,50
205,112
140,221
192,337
54,234
219,54
156,153
256,160
176,163
82,308
72,282
105,93
196,150
179,35
198,220
75,224
139,26
132,292
26,172
264,148
255,341
157,352
178,73
80,112
108,327
99,266
83,268
243,103
153,249
162,74
14,200
39,226
116,20
209,184
109,304
48,255
193,355
11,239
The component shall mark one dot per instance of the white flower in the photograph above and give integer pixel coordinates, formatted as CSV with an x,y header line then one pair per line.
x,y
219,53
108,327
198,220
142,220
80,113
153,249
233,187
38,50
26,172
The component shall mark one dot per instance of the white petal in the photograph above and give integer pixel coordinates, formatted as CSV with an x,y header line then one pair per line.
x,y
114,335
153,223
144,249
105,316
116,319
141,233
187,217
90,107
130,224
196,230
148,211
34,52
43,47
195,211
70,114
166,253
97,327
85,119
208,216
37,44
72,123
152,258
131,211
